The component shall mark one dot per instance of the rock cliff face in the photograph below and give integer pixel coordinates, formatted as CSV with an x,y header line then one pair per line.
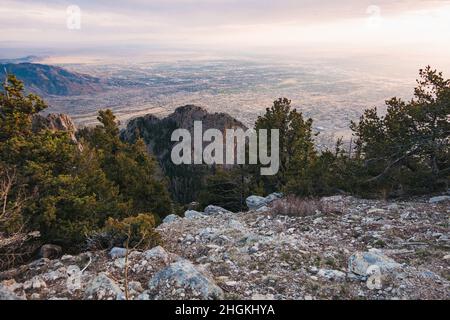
x,y
346,249
152,128
185,181
56,122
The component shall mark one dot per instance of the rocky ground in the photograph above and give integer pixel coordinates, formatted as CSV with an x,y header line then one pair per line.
x,y
350,249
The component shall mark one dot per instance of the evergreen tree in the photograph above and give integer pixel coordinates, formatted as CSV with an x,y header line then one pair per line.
x,y
297,151
407,150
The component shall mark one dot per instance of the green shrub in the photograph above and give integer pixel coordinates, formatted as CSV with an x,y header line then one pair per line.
x,y
134,232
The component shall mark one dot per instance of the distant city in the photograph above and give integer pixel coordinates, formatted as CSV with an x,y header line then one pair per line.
x,y
331,95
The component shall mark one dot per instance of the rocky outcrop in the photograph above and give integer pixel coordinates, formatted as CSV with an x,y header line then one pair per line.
x,y
185,181
349,249
56,122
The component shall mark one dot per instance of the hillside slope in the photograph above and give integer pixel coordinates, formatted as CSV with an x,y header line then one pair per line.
x,y
351,249
47,80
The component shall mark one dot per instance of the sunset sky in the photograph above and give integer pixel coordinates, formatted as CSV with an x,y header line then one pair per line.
x,y
361,25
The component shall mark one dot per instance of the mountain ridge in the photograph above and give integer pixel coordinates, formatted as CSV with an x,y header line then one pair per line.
x,y
47,80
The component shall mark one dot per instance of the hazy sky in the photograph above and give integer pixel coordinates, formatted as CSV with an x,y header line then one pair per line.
x,y
358,25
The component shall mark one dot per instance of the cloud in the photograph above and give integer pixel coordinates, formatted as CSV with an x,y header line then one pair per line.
x,y
226,23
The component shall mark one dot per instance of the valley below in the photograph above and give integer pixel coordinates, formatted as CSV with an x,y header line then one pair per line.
x,y
332,96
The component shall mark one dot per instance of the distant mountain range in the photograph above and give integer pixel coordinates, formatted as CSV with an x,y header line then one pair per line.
x,y
48,80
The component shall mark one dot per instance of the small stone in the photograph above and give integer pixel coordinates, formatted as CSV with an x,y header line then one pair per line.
x,y
440,199
214,210
171,218
263,297
255,202
331,274
103,287
333,199
119,263
118,253
35,296
192,214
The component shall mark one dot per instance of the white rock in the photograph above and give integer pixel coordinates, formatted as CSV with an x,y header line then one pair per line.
x,y
192,214
213,210
171,218
118,253
360,262
440,199
332,199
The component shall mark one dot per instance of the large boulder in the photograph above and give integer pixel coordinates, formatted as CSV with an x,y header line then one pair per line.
x,y
183,276
103,288
361,262
213,210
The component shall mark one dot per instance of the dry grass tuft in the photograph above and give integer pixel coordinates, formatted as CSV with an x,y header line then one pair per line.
x,y
302,207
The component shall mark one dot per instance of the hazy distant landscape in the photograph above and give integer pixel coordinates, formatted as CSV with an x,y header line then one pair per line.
x,y
330,94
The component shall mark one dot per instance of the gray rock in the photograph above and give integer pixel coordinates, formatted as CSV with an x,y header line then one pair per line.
x,y
213,210
116,253
157,253
171,218
192,214
331,274
440,199
332,199
274,196
255,202
263,209
208,234
183,274
102,288
360,262
6,294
